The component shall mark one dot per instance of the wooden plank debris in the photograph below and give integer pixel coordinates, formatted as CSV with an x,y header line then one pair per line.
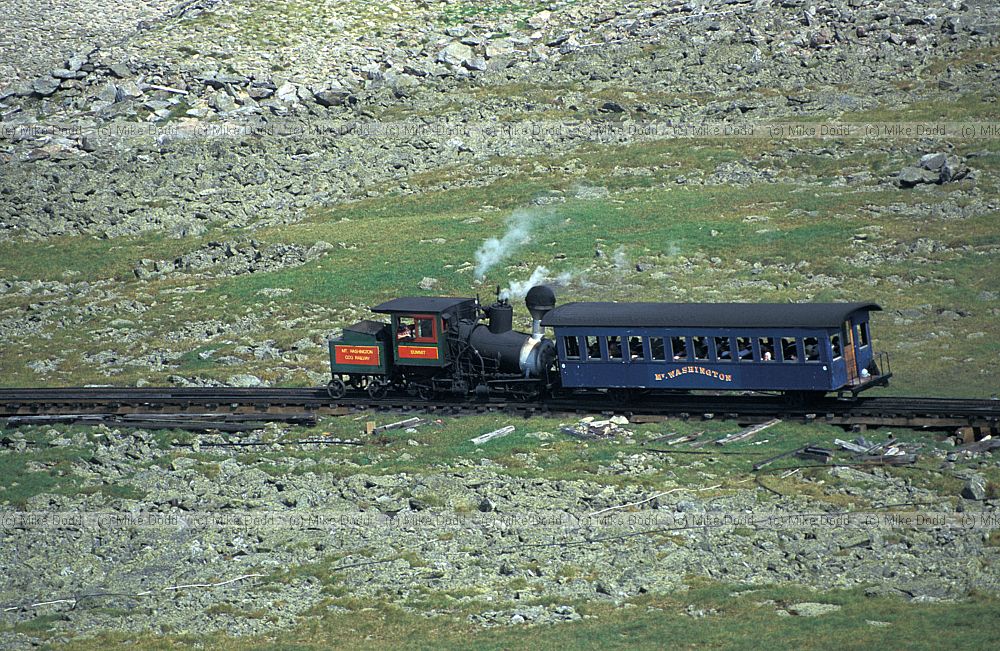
x,y
409,422
748,432
984,445
685,439
767,462
902,459
851,447
815,453
489,436
166,89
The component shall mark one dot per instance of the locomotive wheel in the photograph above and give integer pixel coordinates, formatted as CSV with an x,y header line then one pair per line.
x,y
378,388
336,388
522,394
426,392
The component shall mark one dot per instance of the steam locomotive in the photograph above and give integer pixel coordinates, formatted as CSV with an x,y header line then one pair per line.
x,y
437,345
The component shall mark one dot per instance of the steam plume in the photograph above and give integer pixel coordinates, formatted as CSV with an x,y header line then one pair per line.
x,y
494,250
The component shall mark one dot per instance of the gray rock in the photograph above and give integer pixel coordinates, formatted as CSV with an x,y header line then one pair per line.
x,y
109,93
76,62
245,380
953,169
262,91
221,101
933,162
428,283
975,489
45,86
455,54
129,90
909,177
63,73
335,96
287,92
475,63
812,609
120,70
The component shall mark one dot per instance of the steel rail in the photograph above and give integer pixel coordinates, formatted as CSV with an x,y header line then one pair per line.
x,y
920,412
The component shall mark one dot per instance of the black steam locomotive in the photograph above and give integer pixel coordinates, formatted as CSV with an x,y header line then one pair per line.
x,y
434,345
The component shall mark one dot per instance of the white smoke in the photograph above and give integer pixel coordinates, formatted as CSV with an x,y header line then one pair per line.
x,y
620,258
494,250
541,275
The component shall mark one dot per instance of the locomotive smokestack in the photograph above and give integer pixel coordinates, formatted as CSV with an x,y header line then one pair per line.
x,y
539,301
501,316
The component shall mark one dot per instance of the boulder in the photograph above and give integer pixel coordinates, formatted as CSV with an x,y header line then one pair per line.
x,y
908,177
287,92
222,102
245,380
975,489
455,54
45,86
475,63
334,96
540,20
953,169
812,609
933,162
109,93
63,73
119,70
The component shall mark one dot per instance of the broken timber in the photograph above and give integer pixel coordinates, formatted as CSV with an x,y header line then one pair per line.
x,y
409,422
497,433
748,432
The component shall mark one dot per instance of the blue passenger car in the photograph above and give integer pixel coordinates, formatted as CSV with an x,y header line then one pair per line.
x,y
717,346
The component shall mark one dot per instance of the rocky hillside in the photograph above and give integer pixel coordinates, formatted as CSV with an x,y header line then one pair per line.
x,y
177,117
201,192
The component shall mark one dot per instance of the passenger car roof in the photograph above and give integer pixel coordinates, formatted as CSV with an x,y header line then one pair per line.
x,y
707,315
420,304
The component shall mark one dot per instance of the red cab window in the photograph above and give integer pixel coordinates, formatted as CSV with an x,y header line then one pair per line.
x,y
416,328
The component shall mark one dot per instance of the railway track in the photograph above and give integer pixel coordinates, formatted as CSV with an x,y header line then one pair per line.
x,y
19,406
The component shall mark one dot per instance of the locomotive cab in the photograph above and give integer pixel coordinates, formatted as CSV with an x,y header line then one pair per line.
x,y
420,328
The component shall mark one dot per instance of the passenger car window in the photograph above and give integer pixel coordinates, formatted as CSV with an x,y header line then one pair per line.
x,y
678,348
863,334
767,352
700,345
723,349
656,349
614,347
593,348
835,344
572,345
744,349
635,351
810,346
789,352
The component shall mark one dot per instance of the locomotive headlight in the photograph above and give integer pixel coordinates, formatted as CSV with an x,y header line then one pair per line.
x,y
537,355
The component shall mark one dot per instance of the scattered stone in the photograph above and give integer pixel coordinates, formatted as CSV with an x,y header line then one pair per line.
x,y
287,92
812,609
45,86
975,489
455,54
245,380
428,283
120,70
